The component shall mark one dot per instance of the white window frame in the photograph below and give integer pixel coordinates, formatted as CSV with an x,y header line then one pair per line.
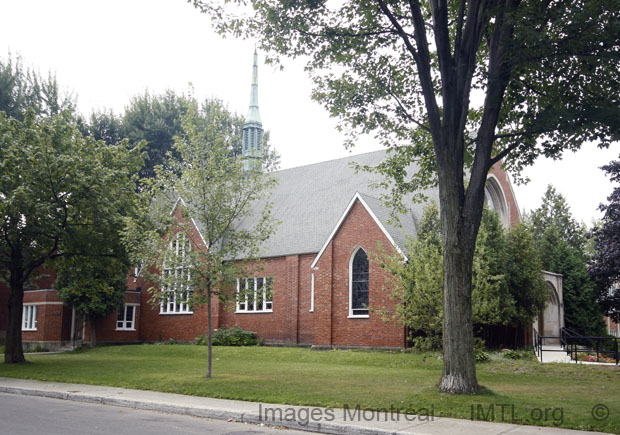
x,y
127,325
267,304
136,272
351,315
171,303
30,317
312,292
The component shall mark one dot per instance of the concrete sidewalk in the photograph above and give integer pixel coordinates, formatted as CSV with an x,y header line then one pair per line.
x,y
314,419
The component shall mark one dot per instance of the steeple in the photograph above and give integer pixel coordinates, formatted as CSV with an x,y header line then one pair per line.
x,y
252,138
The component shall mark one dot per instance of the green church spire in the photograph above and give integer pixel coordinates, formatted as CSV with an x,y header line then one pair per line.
x,y
253,127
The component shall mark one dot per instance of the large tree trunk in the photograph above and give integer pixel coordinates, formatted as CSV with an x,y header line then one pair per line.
x,y
459,369
209,335
461,213
13,351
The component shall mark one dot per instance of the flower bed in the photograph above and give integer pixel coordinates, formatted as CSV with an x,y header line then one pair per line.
x,y
591,357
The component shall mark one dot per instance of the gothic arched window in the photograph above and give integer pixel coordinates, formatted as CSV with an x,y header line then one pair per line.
x,y
495,200
358,287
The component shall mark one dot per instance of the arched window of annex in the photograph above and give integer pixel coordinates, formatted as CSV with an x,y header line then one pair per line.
x,y
358,284
495,200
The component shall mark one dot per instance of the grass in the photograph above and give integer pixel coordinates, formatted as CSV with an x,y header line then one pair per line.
x,y
335,378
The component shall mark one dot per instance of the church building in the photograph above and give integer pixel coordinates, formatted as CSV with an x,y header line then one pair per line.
x,y
319,265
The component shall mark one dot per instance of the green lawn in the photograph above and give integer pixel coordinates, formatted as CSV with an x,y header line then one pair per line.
x,y
335,378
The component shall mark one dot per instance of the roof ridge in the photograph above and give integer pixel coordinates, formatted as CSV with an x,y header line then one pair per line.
x,y
331,160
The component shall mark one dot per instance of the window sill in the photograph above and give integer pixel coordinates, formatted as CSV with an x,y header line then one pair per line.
x,y
125,329
254,312
29,330
176,314
358,316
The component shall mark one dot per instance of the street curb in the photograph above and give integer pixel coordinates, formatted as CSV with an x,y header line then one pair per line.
x,y
241,417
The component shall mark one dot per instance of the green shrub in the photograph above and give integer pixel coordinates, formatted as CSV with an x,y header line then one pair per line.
x,y
525,354
234,336
479,353
202,340
426,344
37,348
169,341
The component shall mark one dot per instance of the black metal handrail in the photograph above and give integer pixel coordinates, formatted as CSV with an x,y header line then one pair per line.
x,y
573,344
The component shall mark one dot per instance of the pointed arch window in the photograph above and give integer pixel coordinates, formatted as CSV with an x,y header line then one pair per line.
x,y
358,284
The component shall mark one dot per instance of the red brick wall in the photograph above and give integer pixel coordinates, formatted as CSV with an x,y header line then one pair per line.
x,y
50,316
323,303
160,327
106,327
280,326
305,317
333,325
289,323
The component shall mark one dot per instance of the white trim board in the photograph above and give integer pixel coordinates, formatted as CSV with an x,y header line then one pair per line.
x,y
179,199
357,197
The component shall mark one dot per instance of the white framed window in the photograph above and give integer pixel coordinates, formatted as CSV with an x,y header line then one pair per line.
x,y
29,317
312,292
136,272
176,288
255,295
126,318
358,284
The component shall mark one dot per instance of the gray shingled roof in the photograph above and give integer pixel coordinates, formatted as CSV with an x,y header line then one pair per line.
x,y
309,200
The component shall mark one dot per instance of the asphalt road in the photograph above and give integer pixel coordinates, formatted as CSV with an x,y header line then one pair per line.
x,y
28,415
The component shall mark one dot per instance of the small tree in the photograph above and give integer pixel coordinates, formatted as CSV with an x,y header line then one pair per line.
x,y
523,276
417,286
217,195
604,267
93,286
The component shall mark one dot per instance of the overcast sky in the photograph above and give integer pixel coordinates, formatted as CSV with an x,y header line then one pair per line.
x,y
107,51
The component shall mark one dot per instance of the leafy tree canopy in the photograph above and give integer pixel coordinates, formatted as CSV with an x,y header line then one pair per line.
x,y
94,287
22,88
63,195
152,121
555,212
155,119
604,266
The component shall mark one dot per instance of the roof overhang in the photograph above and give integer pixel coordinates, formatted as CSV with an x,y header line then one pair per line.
x,y
357,197
176,204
